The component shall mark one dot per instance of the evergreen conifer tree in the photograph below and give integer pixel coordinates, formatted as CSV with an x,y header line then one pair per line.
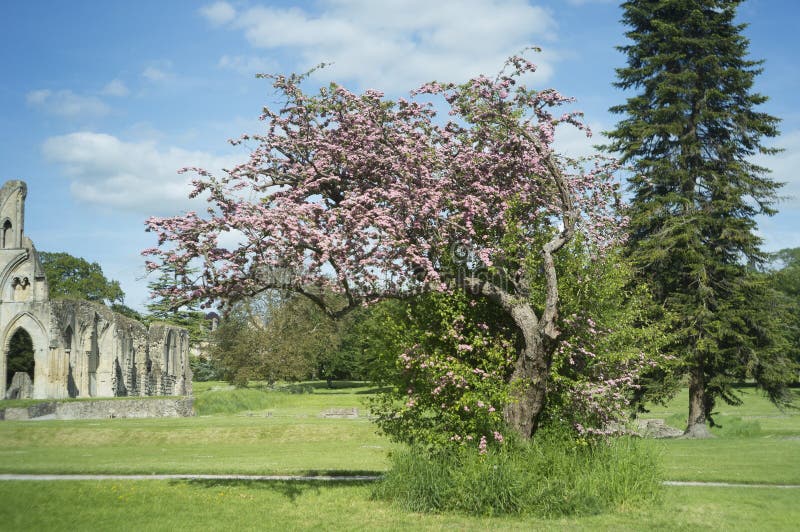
x,y
690,129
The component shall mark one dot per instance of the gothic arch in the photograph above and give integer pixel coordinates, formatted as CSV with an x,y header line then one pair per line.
x,y
6,234
37,332
6,284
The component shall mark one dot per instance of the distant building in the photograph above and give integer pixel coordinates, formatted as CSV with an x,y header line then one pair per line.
x,y
74,348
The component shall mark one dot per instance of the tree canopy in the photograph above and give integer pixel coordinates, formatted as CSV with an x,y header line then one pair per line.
x,y
784,277
77,278
367,198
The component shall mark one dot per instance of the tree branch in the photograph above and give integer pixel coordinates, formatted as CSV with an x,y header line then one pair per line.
x,y
547,325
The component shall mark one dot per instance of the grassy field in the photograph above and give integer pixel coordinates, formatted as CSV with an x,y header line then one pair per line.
x,y
260,432
755,443
254,432
158,505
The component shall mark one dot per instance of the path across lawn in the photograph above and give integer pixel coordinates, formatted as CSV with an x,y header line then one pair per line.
x,y
307,478
324,478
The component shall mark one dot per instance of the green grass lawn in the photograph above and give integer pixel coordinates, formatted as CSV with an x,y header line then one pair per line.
x,y
755,443
279,433
215,505
259,432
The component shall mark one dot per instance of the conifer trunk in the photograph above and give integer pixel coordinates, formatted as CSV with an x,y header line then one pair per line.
x,y
697,426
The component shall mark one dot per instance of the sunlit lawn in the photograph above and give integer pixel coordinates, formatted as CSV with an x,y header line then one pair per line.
x,y
755,443
209,505
286,433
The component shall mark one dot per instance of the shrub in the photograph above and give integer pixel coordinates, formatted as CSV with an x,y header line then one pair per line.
x,y
204,369
550,477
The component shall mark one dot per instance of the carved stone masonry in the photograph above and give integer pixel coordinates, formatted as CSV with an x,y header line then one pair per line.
x,y
80,348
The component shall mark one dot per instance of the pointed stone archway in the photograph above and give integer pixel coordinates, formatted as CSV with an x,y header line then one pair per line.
x,y
36,332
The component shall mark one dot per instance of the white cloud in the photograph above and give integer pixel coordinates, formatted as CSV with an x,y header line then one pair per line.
x,y
39,97
135,176
398,45
158,73
247,65
218,13
573,142
785,168
115,87
67,104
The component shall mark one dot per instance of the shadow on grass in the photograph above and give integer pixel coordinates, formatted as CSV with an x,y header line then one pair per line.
x,y
374,390
327,387
290,489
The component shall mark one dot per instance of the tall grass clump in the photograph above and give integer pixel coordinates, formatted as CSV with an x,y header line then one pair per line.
x,y
553,476
233,400
737,427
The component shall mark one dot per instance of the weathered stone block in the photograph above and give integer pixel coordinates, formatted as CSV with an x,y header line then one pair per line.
x,y
21,386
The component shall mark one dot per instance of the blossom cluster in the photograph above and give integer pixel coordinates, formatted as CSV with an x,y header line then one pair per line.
x,y
360,195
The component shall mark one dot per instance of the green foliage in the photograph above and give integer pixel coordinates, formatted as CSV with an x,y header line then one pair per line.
x,y
76,278
784,278
448,358
611,330
281,336
551,477
275,337
188,316
127,311
370,340
204,369
449,378
237,348
302,343
690,129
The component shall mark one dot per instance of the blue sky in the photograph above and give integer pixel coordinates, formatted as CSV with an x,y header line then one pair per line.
x,y
101,102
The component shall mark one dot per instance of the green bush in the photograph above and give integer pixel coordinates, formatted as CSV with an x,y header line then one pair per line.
x,y
553,476
204,369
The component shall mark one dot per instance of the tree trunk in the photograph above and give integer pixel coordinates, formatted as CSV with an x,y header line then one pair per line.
x,y
530,371
698,416
533,361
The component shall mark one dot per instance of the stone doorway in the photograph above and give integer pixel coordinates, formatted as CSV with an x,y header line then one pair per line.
x,y
20,364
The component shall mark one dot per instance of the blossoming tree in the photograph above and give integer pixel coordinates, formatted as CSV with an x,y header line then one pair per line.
x,y
363,198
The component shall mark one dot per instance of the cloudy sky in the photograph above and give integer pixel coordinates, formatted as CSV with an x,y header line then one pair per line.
x,y
101,102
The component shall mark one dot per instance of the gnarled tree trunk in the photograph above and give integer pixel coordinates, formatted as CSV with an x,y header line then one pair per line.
x,y
531,371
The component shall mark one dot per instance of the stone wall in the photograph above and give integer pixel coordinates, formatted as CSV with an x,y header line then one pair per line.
x,y
103,409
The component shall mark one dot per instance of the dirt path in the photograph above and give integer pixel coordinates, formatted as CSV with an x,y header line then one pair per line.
x,y
323,478
728,484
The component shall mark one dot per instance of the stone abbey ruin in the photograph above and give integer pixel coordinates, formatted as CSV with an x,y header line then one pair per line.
x,y
80,348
